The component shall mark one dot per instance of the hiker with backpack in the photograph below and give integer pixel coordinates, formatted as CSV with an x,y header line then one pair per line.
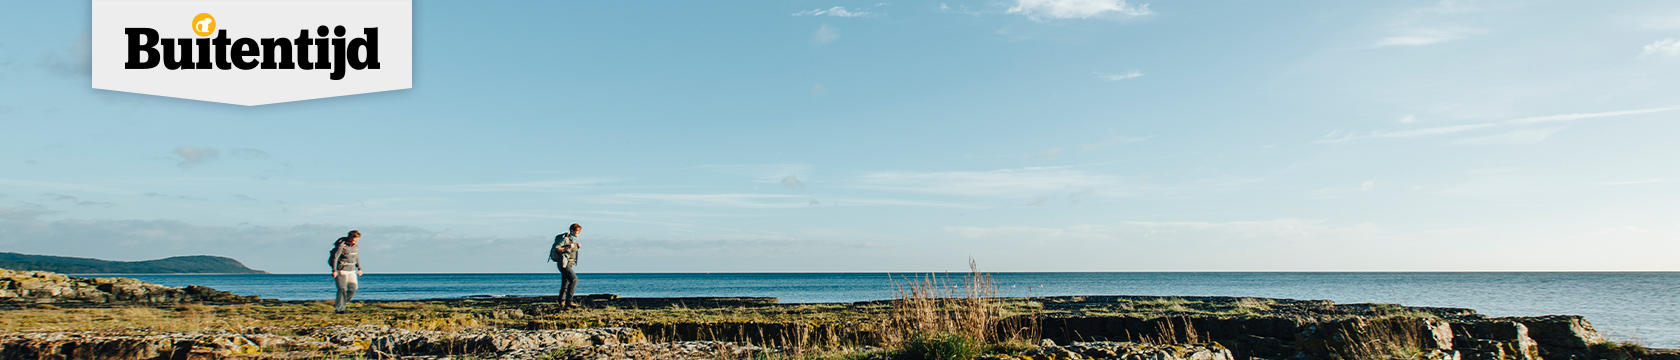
x,y
564,252
346,263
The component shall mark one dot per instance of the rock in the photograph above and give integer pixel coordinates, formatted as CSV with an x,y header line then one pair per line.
x,y
1372,337
386,342
683,350
1561,331
40,287
1101,350
1495,340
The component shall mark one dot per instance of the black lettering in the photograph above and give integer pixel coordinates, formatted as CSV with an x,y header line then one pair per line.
x,y
322,61
244,54
204,54
221,50
338,58
369,43
333,51
303,50
136,48
284,47
172,61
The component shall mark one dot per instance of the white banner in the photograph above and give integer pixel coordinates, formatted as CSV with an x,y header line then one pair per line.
x,y
252,52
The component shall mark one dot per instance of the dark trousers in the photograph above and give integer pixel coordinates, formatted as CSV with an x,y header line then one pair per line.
x,y
568,283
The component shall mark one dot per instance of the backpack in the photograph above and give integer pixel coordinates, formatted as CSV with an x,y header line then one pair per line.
x,y
332,258
559,256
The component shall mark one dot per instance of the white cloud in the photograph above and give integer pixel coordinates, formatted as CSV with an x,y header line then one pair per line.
x,y
1664,47
1051,153
1341,191
1408,119
1425,36
525,186
762,173
792,182
1316,245
1427,26
1022,182
1339,137
1117,77
1111,141
825,34
761,201
192,156
837,11
1634,182
1516,137
1077,9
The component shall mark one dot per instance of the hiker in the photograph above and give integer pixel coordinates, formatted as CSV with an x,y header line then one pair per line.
x,y
564,252
346,266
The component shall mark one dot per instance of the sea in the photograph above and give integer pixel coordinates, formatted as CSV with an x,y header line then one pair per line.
x,y
1639,307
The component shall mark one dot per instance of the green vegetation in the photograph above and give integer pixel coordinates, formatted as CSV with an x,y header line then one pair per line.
x,y
1612,350
937,347
174,265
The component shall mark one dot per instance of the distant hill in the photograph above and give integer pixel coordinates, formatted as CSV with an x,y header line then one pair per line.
x,y
199,264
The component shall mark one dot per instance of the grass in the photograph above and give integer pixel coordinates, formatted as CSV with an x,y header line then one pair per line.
x,y
1625,350
1389,338
933,317
936,318
938,346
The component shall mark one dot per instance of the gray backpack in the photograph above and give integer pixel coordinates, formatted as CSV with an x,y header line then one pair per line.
x,y
555,254
331,259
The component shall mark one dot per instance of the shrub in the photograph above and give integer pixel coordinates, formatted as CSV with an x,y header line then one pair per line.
x,y
939,347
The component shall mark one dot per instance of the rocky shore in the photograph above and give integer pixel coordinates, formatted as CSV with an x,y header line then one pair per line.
x,y
128,319
39,287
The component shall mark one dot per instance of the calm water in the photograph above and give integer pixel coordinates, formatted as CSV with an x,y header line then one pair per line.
x,y
1642,307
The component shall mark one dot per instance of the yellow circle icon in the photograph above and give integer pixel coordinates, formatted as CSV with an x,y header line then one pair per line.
x,y
204,24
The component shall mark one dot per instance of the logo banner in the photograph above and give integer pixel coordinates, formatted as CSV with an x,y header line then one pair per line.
x,y
252,52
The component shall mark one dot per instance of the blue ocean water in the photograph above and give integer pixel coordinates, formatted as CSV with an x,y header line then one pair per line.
x,y
1642,307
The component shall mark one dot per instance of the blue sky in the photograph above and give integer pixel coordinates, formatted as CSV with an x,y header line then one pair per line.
x,y
1031,135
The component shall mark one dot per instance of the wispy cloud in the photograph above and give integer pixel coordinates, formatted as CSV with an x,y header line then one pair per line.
x,y
74,200
1342,137
1121,76
1051,153
764,173
1427,26
837,11
1664,47
525,186
760,201
1342,191
1634,182
792,182
764,201
157,195
1078,9
1112,141
1424,36
1021,182
22,212
193,156
1515,137
825,34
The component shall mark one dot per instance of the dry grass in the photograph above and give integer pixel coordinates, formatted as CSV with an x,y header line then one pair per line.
x,y
1393,338
938,318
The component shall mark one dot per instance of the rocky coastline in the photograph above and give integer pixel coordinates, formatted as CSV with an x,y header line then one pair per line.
x,y
38,306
